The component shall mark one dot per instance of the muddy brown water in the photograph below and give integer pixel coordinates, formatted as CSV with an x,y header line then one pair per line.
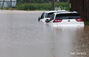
x,y
21,35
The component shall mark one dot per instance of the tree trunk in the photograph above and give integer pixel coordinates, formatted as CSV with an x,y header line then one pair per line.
x,y
10,3
3,4
53,4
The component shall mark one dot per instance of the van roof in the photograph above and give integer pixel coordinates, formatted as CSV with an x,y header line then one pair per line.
x,y
54,11
49,11
63,12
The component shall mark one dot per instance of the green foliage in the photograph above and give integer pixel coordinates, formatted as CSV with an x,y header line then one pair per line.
x,y
5,8
32,1
62,5
86,22
42,6
33,6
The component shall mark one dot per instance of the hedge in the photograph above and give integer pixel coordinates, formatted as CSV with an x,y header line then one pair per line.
x,y
42,6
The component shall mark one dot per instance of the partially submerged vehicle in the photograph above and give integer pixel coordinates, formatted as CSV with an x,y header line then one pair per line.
x,y
47,15
66,18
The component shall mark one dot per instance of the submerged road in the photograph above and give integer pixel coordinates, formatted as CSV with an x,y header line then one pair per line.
x,y
21,35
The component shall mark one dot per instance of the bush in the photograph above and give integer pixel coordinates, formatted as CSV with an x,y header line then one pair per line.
x,y
41,6
86,22
62,5
33,6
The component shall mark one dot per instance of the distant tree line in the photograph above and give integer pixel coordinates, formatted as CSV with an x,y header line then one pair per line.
x,y
32,1
38,1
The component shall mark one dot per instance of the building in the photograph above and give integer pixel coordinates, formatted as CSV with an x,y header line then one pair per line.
x,y
7,3
82,6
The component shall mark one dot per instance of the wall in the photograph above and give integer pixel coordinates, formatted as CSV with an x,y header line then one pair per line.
x,y
82,6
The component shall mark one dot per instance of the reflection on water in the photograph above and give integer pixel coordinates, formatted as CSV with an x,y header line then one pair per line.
x,y
69,42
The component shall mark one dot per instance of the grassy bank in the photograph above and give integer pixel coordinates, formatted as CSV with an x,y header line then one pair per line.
x,y
42,6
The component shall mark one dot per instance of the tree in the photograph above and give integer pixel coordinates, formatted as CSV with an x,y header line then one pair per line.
x,y
53,4
32,1
11,3
3,3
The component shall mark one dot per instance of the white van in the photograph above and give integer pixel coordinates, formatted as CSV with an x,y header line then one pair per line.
x,y
66,18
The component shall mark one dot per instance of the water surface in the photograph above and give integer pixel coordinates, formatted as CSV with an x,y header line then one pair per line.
x,y
21,35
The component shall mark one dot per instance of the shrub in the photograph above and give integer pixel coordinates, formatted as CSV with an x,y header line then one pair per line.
x,y
42,6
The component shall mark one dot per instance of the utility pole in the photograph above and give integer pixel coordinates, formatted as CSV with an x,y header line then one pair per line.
x,y
53,4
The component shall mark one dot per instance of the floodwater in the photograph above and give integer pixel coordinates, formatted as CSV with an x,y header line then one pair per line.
x,y
21,35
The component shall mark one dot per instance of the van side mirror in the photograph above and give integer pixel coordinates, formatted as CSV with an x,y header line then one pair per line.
x,y
39,18
47,21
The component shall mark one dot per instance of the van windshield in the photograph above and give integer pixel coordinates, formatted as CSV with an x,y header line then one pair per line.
x,y
68,16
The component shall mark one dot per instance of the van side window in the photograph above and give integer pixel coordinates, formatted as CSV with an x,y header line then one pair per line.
x,y
52,17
